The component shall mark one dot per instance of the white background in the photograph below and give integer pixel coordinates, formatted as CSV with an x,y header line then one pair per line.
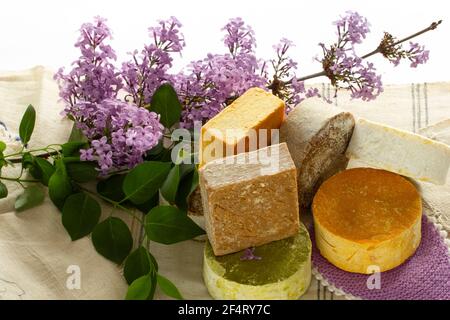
x,y
43,32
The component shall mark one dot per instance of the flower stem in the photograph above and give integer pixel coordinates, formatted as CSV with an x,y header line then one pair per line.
x,y
19,180
429,28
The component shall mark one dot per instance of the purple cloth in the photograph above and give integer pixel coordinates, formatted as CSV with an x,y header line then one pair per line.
x,y
425,276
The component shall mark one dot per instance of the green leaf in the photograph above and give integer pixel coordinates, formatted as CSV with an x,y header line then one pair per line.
x,y
27,124
72,148
27,160
165,102
186,168
59,185
80,215
3,190
168,288
111,187
170,185
76,134
112,239
144,180
141,288
31,197
39,168
2,146
71,159
45,169
139,263
148,205
187,186
167,225
82,171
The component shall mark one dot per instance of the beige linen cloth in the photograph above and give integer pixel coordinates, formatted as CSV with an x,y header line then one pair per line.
x,y
36,253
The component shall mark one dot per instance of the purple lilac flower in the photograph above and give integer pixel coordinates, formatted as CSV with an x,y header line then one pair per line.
x,y
417,54
93,77
120,134
285,82
147,69
394,52
352,27
239,38
344,67
208,85
249,255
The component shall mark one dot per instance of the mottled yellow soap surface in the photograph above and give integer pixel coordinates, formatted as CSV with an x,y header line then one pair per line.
x,y
256,109
366,217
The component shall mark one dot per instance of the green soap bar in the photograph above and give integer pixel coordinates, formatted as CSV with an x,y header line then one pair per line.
x,y
285,265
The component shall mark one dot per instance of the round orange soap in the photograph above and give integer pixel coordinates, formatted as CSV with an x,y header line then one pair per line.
x,y
367,220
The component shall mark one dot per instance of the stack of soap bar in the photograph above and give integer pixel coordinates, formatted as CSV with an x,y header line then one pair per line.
x,y
367,220
400,151
250,199
238,125
283,271
317,135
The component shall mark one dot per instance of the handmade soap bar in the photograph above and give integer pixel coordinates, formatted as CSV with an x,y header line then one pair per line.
x,y
282,270
317,134
400,151
250,199
237,127
367,220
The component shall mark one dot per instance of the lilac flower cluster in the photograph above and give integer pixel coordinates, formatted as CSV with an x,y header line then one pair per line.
x,y
215,81
93,76
284,83
344,67
145,72
119,133
352,27
417,54
394,52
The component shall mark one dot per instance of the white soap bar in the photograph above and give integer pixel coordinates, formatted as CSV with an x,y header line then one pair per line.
x,y
399,151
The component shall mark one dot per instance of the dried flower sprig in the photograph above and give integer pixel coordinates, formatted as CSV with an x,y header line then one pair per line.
x,y
345,69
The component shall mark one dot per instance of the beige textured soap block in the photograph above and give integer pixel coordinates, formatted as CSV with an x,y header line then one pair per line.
x,y
250,199
317,134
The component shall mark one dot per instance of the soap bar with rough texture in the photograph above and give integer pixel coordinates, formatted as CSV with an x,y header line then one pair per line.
x,y
250,199
400,151
237,127
317,134
283,271
367,220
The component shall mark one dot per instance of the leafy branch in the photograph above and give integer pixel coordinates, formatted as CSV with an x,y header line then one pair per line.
x,y
132,191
